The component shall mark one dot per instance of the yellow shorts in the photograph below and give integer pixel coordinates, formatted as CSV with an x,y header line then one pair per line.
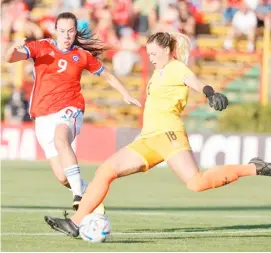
x,y
160,147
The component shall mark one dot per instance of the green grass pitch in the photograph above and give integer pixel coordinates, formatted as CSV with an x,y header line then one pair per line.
x,y
150,211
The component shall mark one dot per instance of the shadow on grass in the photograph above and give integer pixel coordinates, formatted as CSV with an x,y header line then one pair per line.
x,y
208,236
208,229
127,241
156,209
117,241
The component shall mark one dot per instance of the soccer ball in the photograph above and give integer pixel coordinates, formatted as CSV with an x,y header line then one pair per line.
x,y
94,228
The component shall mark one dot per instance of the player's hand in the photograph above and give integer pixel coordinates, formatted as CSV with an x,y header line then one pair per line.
x,y
19,44
218,101
129,99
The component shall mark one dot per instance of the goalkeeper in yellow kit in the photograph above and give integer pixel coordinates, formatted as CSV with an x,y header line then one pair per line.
x,y
163,137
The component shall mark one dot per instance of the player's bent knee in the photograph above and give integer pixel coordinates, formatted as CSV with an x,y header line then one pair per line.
x,y
106,172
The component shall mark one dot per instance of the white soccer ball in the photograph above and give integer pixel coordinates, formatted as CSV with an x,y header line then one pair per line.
x,y
94,228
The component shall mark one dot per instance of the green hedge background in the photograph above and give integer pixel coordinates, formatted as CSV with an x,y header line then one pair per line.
x,y
246,118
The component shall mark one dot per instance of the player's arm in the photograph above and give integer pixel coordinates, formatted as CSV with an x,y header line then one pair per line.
x,y
193,82
216,100
17,52
116,84
95,66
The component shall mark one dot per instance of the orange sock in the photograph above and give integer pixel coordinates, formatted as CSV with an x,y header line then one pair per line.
x,y
95,193
219,176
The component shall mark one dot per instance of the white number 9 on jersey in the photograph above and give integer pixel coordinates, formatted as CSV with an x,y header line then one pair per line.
x,y
62,64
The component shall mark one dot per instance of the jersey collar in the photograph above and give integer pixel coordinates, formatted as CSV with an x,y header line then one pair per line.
x,y
65,50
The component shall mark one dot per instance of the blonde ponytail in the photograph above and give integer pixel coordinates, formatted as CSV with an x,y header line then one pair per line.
x,y
183,47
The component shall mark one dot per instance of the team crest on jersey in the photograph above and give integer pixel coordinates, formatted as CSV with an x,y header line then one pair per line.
x,y
75,58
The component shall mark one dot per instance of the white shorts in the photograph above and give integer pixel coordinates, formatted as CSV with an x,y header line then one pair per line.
x,y
45,127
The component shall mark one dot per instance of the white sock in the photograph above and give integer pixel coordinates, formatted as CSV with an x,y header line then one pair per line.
x,y
73,176
84,185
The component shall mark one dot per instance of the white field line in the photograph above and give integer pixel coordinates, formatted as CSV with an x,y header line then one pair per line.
x,y
143,213
250,231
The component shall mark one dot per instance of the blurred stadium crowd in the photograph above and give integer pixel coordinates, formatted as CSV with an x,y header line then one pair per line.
x,y
124,26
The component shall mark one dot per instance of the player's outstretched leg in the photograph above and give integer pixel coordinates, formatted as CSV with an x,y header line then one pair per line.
x,y
184,165
123,163
96,192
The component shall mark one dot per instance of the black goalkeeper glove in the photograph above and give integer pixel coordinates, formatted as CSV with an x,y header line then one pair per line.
x,y
217,101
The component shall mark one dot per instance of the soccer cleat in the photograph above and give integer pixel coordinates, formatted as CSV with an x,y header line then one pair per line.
x,y
65,226
262,168
76,201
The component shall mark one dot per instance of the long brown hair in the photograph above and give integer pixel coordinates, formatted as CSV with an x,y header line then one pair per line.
x,y
92,44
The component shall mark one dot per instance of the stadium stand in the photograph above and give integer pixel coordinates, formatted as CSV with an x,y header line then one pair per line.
x,y
236,72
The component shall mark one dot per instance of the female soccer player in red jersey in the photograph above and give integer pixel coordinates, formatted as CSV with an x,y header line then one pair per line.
x,y
56,103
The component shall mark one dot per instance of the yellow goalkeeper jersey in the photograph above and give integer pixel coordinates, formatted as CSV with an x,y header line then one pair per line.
x,y
167,96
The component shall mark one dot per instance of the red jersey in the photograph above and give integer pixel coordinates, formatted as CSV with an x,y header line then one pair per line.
x,y
57,76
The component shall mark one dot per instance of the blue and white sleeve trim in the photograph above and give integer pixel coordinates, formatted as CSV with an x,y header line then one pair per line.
x,y
27,51
99,71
